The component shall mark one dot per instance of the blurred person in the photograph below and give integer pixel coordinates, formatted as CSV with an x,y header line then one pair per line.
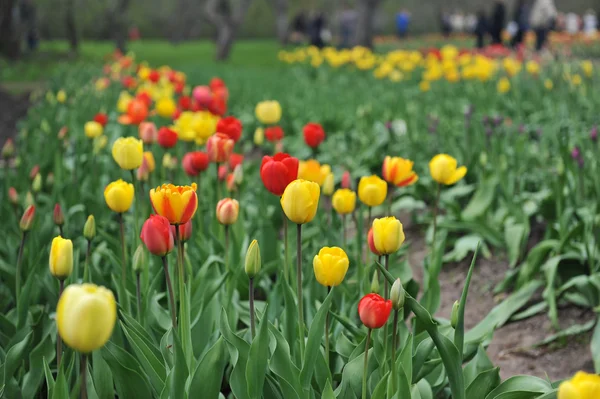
x,y
445,24
402,21
27,11
348,21
590,23
541,20
457,21
316,30
497,21
299,28
572,23
481,29
470,23
521,18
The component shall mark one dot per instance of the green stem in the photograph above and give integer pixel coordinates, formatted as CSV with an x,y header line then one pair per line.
x,y
394,345
386,292
60,231
251,305
181,281
138,295
327,333
366,365
390,199
170,289
123,254
286,262
86,270
19,266
435,212
61,287
83,388
218,184
344,231
299,288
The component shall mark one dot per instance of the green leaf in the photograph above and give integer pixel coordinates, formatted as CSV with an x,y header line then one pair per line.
x,y
209,373
61,388
127,373
481,201
514,235
282,365
595,346
179,373
257,359
477,365
521,387
483,384
35,375
50,383
459,332
313,344
238,351
102,377
14,357
328,391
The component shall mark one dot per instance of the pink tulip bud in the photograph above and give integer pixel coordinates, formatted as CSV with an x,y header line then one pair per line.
x,y
223,172
58,216
227,211
34,172
27,219
202,95
346,182
156,235
13,196
147,132
185,231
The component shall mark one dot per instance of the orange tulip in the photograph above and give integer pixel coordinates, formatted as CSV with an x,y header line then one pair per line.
x,y
398,171
177,203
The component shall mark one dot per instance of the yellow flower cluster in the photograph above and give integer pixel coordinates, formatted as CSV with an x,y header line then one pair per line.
x,y
195,126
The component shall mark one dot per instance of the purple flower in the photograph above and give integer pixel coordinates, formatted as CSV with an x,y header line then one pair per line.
x,y
594,134
575,153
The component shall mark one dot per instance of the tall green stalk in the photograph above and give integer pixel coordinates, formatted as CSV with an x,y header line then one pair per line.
x,y
299,289
366,365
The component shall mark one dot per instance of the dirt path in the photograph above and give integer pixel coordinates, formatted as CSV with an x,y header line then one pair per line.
x,y
13,107
513,346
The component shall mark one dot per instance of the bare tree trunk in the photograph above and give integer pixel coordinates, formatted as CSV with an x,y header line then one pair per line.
x,y
71,27
226,18
10,43
281,19
364,28
120,25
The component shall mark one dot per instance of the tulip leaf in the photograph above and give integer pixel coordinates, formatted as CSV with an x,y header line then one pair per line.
x,y
238,352
459,329
102,376
14,357
595,345
127,373
382,386
61,387
179,373
208,375
290,325
484,383
520,386
35,375
481,200
313,344
451,358
258,355
328,391
477,365
50,383
281,364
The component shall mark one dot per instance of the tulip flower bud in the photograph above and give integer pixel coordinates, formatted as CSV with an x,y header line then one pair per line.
x,y
346,180
61,258
17,161
483,159
222,172
50,179
58,216
13,196
36,185
139,259
227,211
238,175
8,149
328,185
454,314
143,172
29,201
259,136
560,167
374,311
62,133
397,295
27,219
89,228
253,263
375,283
185,231
85,316
156,235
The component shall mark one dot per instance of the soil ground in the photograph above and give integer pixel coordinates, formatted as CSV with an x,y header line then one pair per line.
x,y
513,347
13,107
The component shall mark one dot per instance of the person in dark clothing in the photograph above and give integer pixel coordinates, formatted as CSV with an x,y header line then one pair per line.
x,y
521,17
298,28
497,21
481,29
316,27
445,23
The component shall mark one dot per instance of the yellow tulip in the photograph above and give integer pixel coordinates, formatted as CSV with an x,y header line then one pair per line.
x,y
177,203
227,211
576,80
166,107
328,185
548,84
119,196
93,129
300,201
61,96
85,316
99,144
259,136
399,171
444,171
313,171
424,86
388,235
268,112
128,152
503,85
123,101
581,386
61,258
587,67
149,156
330,266
372,190
344,201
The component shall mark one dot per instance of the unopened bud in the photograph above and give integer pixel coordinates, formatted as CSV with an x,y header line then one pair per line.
x,y
139,259
36,185
483,159
238,175
27,219
34,172
13,196
58,216
8,149
50,179
253,263
259,136
375,283
62,133
454,314
29,200
397,295
89,228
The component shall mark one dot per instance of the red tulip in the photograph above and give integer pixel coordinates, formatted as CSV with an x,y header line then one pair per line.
x,y
179,87
188,165
230,126
230,182
372,242
313,134
167,138
374,311
200,161
137,111
101,118
128,82
346,180
235,160
274,133
218,105
27,219
216,83
154,76
222,172
13,196
185,231
278,171
57,216
156,235
34,171
185,102
219,147
145,98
